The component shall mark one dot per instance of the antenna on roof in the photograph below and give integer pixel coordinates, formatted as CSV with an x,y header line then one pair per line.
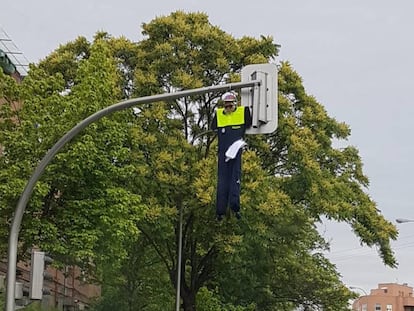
x,y
13,54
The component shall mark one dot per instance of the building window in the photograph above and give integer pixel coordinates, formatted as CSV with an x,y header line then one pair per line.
x,y
364,307
389,307
377,307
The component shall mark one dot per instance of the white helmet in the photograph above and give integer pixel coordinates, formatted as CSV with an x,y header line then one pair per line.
x,y
229,97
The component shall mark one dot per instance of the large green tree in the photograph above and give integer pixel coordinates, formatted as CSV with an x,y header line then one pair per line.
x,y
184,51
80,210
113,195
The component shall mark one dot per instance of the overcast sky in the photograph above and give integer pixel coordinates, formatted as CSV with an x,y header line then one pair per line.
x,y
355,57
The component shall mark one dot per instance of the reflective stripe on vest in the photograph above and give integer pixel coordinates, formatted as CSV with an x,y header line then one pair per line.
x,y
234,118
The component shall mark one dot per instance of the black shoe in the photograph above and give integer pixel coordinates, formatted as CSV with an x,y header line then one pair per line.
x,y
238,215
219,217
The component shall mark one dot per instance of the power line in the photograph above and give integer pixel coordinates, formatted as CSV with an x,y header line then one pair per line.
x,y
352,253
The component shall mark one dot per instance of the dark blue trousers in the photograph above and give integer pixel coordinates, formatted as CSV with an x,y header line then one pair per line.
x,y
228,183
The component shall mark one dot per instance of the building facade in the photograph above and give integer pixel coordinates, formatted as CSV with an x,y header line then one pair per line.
x,y
387,297
66,290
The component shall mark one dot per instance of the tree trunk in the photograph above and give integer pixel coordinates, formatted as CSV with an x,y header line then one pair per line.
x,y
188,301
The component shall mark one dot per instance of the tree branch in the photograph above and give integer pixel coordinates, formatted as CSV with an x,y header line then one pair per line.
x,y
152,242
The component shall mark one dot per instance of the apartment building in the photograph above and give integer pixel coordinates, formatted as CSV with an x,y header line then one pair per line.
x,y
387,297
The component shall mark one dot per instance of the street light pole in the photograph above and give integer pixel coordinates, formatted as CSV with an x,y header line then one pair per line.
x,y
358,299
179,264
360,288
403,220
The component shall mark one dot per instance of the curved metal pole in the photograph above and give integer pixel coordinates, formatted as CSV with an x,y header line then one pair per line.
x,y
180,251
24,198
360,288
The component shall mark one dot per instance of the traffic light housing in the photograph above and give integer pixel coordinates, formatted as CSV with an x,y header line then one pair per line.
x,y
261,99
39,262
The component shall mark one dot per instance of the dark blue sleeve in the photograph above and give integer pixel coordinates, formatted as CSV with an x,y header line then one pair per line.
x,y
247,117
213,125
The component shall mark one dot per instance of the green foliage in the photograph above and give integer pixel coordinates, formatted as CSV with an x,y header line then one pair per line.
x,y
184,51
209,301
33,306
138,284
324,180
37,306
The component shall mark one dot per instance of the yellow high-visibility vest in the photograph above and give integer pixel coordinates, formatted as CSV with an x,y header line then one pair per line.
x,y
234,118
